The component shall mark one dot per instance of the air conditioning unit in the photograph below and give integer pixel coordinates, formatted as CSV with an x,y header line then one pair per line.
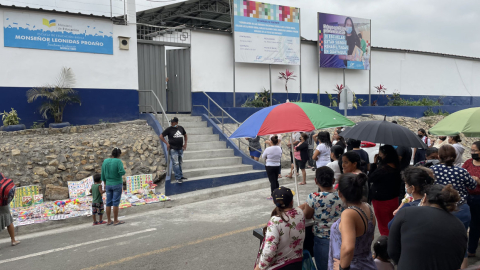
x,y
124,43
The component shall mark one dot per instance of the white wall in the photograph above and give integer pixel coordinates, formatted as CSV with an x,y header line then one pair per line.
x,y
31,67
409,73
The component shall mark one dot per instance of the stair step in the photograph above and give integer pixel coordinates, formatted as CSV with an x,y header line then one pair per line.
x,y
198,146
239,174
200,131
189,125
216,153
203,138
182,118
215,170
211,162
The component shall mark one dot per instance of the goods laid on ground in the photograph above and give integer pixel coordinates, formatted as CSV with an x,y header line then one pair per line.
x,y
28,206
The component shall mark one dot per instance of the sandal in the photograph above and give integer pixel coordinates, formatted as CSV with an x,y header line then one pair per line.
x,y
270,198
302,183
15,243
111,223
288,176
119,223
95,223
102,222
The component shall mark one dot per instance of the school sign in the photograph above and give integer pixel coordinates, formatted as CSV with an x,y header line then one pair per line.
x,y
59,33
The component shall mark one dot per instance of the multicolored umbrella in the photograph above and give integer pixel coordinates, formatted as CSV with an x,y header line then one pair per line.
x,y
464,121
290,117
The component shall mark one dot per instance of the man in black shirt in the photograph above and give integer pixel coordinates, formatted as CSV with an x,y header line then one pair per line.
x,y
177,143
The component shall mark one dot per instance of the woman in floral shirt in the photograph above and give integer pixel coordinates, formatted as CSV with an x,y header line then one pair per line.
x,y
325,207
282,247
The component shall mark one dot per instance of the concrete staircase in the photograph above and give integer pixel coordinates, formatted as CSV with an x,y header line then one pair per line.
x,y
208,162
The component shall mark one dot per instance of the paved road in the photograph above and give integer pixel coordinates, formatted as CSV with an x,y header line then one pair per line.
x,y
213,234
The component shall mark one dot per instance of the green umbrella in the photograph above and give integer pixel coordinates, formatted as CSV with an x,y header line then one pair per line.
x,y
464,121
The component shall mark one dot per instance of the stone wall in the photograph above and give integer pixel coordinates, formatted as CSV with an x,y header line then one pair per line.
x,y
51,157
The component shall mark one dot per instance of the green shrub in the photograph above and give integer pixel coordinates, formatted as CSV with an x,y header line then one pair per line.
x,y
261,100
430,112
396,100
11,118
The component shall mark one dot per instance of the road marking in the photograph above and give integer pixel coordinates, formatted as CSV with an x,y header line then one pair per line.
x,y
75,246
116,262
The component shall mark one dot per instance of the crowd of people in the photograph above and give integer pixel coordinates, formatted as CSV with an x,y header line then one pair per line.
x,y
426,211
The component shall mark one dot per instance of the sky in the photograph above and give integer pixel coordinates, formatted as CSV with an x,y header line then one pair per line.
x,y
441,26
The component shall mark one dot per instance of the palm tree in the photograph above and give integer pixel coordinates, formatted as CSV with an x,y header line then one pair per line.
x,y
58,95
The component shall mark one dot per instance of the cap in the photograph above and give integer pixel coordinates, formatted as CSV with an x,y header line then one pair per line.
x,y
282,197
174,119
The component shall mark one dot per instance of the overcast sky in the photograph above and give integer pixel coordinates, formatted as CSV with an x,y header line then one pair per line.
x,y
443,26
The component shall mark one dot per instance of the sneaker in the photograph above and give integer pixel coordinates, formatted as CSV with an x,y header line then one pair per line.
x,y
179,181
184,178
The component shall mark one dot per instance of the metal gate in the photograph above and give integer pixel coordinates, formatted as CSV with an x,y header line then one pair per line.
x,y
151,76
179,80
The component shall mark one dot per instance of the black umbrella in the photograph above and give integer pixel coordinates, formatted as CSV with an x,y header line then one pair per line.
x,y
384,132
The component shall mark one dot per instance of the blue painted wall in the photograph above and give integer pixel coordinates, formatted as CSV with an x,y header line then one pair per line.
x,y
112,105
451,104
225,99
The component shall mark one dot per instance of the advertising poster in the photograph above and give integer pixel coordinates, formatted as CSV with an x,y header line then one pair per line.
x,y
266,33
60,33
344,42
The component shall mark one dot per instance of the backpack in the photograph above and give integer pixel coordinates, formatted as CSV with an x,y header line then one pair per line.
x,y
7,190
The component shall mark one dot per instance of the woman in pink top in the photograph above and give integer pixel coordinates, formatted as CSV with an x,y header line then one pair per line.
x,y
282,247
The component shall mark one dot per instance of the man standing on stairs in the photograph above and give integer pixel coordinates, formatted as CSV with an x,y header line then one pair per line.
x,y
177,143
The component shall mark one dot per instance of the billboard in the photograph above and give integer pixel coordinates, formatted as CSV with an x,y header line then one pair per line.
x,y
59,33
266,33
344,42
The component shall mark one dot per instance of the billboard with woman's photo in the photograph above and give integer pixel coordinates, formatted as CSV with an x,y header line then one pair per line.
x,y
343,42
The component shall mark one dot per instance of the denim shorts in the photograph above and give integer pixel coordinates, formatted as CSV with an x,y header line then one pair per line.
x,y
114,193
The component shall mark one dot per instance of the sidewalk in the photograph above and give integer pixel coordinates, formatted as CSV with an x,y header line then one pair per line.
x,y
176,200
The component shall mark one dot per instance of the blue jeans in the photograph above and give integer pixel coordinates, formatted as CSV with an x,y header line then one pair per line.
x,y
321,248
465,217
114,193
177,160
474,235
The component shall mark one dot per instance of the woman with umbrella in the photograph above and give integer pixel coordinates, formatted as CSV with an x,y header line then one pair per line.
x,y
385,180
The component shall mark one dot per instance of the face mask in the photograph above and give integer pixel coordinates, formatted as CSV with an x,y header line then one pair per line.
x,y
175,126
348,29
420,136
409,194
476,157
443,138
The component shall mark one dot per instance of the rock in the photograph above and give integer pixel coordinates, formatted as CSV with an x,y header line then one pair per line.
x,y
55,192
82,175
51,169
53,163
40,171
51,157
67,177
89,168
62,158
16,152
83,162
61,167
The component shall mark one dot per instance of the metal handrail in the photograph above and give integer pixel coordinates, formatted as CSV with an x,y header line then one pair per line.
x,y
223,111
167,158
225,128
160,104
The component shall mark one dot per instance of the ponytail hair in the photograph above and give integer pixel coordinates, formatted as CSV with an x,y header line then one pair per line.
x,y
116,152
444,196
274,140
351,186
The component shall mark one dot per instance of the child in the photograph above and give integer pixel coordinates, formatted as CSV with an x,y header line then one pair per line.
x,y
382,261
97,203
